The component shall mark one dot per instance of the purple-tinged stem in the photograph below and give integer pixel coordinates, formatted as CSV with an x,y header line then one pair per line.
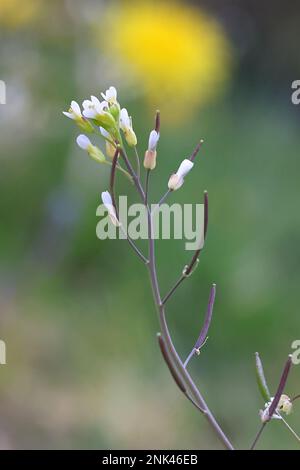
x,y
189,358
281,386
112,179
258,436
275,401
147,186
205,213
138,164
207,321
113,197
177,378
208,318
132,173
163,198
195,152
189,268
195,393
157,121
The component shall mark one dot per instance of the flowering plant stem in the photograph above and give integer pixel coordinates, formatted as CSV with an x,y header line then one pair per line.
x,y
193,393
114,123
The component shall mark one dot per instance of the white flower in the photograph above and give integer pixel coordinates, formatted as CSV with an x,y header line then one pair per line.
x,y
177,179
107,201
84,143
110,95
74,111
93,108
153,140
126,126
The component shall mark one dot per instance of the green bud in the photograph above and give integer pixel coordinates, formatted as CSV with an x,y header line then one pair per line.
x,y
130,137
115,111
106,121
85,125
95,153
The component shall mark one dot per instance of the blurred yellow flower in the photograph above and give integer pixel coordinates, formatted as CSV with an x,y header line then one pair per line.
x,y
178,54
15,13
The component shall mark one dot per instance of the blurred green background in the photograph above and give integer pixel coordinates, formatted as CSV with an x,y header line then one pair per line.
x,y
83,367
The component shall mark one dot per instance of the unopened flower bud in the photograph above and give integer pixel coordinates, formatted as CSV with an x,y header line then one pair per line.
x,y
94,152
177,179
126,126
130,137
174,182
150,154
107,201
153,140
150,159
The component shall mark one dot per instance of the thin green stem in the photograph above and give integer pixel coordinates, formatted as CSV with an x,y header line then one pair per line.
x,y
118,167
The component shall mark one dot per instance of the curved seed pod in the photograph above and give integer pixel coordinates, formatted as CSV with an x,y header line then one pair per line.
x,y
208,317
281,386
178,380
261,380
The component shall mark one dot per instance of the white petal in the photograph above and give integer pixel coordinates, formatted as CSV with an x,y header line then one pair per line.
x,y
69,115
89,113
124,119
75,108
103,106
95,100
180,183
153,139
111,93
106,198
83,141
96,103
185,167
87,104
104,133
107,201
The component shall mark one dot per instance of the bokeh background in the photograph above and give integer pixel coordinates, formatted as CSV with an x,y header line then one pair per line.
x,y
83,367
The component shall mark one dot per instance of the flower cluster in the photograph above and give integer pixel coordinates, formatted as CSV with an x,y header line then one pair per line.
x,y
114,124
107,117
